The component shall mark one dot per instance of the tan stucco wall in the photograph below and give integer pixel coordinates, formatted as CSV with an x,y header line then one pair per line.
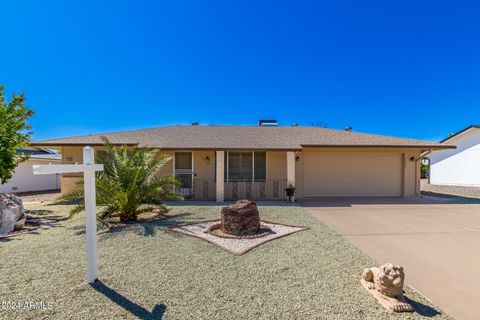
x,y
167,169
412,173
69,184
276,165
204,169
71,155
357,172
68,181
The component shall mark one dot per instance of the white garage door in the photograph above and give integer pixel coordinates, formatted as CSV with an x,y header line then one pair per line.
x,y
352,174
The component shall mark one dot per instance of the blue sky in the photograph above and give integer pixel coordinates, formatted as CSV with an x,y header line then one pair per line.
x,y
401,68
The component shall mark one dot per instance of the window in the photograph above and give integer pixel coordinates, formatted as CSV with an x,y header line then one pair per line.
x,y
240,166
183,172
183,160
100,156
243,166
260,166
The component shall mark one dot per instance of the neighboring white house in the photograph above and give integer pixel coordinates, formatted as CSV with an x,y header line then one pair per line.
x,y
459,166
23,179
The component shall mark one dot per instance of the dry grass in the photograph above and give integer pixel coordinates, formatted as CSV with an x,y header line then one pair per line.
x,y
150,273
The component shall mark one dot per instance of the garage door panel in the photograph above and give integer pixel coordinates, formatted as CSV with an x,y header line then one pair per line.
x,y
345,174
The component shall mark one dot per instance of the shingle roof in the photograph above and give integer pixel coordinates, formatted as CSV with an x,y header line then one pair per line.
x,y
241,137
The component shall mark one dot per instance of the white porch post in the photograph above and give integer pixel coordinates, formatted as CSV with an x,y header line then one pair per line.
x,y
291,169
220,167
90,216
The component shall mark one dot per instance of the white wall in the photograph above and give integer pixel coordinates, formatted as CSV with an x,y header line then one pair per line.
x,y
24,180
459,166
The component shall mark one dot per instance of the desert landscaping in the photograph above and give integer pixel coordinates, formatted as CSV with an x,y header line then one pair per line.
x,y
146,271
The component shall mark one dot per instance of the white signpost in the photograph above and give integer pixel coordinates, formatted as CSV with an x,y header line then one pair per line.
x,y
88,168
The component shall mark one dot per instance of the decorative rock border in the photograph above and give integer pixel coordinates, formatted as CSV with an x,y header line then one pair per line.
x,y
217,231
237,245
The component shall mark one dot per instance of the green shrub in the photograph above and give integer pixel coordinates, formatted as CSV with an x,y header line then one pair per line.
x,y
130,183
424,171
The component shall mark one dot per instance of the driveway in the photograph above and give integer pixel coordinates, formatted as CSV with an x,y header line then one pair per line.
x,y
436,240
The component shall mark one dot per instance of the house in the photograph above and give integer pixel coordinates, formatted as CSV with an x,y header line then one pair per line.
x,y
258,162
459,166
23,179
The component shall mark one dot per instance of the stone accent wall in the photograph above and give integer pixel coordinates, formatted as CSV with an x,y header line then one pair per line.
x,y
220,188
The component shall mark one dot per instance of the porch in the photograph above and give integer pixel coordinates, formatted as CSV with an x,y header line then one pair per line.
x,y
203,189
232,175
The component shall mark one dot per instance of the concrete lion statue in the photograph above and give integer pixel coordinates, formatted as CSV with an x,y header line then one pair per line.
x,y
386,284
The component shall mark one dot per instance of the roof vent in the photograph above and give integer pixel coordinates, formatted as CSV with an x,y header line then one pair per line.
x,y
195,123
267,123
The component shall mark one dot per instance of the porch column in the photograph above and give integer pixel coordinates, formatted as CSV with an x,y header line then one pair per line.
x,y
291,169
220,167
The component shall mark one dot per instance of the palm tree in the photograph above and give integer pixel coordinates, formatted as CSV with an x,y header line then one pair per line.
x,y
130,183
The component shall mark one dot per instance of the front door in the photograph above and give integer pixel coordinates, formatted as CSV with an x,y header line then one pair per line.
x,y
184,172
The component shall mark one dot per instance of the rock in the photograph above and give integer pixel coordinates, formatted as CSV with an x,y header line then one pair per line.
x,y
12,213
20,224
7,223
240,218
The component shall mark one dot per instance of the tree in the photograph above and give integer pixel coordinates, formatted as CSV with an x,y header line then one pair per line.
x,y
130,183
424,170
14,133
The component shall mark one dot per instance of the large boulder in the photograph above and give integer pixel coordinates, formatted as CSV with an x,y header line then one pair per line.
x,y
12,213
240,218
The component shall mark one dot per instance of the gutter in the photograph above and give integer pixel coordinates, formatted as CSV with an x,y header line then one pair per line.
x,y
429,147
58,145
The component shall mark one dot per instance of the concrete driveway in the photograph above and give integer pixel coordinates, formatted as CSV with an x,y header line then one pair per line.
x,y
436,240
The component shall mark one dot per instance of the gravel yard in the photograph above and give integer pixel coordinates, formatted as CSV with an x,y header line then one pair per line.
x,y
39,197
147,272
449,191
